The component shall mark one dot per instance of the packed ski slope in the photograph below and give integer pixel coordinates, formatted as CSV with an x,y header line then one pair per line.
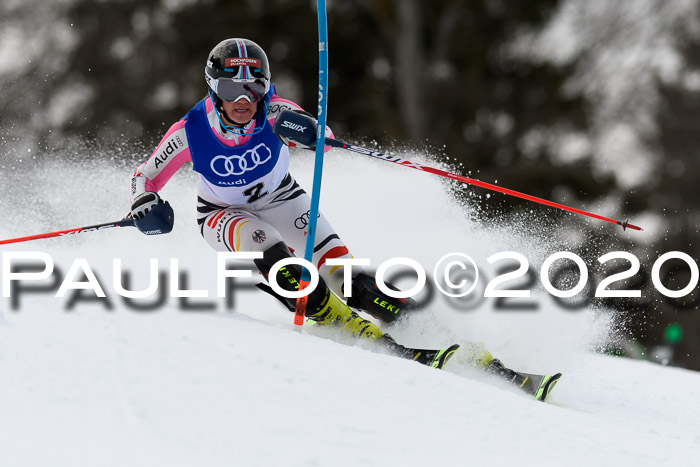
x,y
86,382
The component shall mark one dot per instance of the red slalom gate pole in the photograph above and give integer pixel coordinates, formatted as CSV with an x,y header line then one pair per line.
x,y
377,155
77,230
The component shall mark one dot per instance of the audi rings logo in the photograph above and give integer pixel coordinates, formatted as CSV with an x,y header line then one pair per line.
x,y
302,221
224,166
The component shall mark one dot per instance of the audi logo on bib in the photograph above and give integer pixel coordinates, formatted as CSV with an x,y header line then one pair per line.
x,y
224,166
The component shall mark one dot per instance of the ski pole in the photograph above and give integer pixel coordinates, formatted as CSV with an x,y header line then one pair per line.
x,y
126,222
158,221
302,129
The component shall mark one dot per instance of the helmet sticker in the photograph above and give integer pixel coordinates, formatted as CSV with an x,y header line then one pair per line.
x,y
243,61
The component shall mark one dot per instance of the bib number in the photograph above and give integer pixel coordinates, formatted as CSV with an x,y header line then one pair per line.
x,y
254,193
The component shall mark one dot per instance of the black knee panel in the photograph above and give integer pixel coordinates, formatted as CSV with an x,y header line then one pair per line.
x,y
288,277
367,297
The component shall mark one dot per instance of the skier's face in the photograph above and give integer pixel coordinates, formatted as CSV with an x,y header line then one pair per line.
x,y
240,111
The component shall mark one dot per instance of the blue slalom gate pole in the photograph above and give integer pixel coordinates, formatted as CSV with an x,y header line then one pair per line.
x,y
300,310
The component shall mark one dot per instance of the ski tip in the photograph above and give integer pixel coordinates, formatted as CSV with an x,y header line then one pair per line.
x,y
445,356
546,386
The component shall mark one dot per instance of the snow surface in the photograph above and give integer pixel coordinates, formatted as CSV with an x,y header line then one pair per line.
x,y
98,385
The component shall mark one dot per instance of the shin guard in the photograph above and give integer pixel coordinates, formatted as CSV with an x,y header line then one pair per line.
x,y
288,277
323,306
367,297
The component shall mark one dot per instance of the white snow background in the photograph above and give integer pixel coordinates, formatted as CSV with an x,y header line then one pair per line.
x,y
92,386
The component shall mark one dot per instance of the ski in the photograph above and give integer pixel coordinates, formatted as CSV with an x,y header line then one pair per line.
x,y
432,358
539,386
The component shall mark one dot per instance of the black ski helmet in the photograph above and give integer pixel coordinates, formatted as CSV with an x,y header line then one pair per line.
x,y
237,68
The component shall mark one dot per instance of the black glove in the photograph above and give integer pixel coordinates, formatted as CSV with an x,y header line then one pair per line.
x,y
151,214
144,203
311,122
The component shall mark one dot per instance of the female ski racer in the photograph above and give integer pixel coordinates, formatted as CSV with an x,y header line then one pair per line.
x,y
248,201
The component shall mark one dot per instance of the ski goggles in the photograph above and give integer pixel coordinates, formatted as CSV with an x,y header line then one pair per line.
x,y
231,90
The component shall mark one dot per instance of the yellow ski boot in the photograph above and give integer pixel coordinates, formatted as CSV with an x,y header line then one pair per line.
x,y
333,312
